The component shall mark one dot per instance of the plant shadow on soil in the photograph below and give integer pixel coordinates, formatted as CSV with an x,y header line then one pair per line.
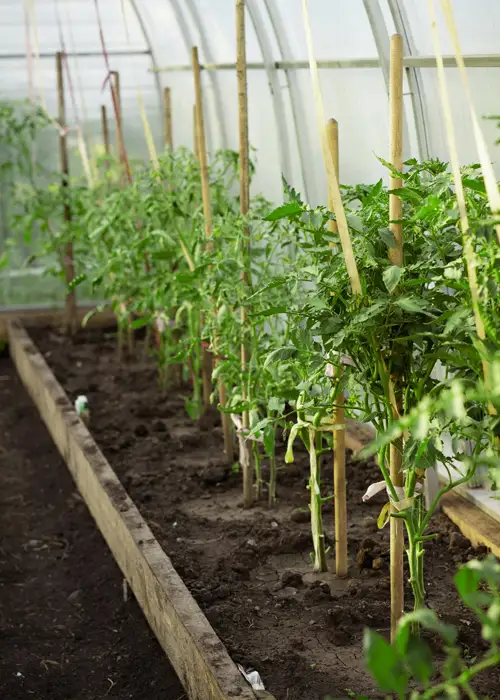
x,y
250,570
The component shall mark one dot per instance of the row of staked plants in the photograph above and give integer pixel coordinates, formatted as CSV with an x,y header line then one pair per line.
x,y
142,246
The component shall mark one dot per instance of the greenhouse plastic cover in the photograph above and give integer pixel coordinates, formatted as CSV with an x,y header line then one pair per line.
x,y
149,42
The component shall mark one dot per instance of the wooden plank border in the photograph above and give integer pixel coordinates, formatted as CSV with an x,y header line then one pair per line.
x,y
199,658
52,318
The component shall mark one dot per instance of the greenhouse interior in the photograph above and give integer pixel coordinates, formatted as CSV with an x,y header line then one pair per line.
x,y
249,349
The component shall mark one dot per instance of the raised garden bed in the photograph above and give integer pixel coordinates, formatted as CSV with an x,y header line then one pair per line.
x,y
249,570
65,629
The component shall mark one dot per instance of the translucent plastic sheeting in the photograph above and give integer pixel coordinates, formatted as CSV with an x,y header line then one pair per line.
x,y
282,121
477,25
486,102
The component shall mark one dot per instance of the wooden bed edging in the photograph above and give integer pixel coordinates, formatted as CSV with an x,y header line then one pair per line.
x,y
51,317
199,658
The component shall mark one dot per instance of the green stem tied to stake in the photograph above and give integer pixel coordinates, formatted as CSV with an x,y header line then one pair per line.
x,y
316,502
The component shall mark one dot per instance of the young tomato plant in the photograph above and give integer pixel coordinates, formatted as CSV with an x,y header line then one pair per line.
x,y
406,668
407,320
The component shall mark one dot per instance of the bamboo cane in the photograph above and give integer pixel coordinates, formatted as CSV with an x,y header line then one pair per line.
x,y
68,262
105,130
207,205
396,257
196,147
116,90
241,72
201,150
167,118
339,478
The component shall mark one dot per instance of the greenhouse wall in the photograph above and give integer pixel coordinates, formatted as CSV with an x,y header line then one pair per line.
x,y
149,43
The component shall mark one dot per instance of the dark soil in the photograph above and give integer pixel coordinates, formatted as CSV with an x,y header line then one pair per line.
x,y
65,631
250,570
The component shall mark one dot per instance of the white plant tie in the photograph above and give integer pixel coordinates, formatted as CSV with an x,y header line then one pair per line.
x,y
344,360
243,431
379,486
252,677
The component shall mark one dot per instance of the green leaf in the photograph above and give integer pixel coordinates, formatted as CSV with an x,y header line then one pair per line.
x,y
140,322
277,282
290,209
280,355
271,311
408,194
269,439
391,277
473,184
429,619
412,305
4,259
388,237
275,404
384,664
419,659
391,168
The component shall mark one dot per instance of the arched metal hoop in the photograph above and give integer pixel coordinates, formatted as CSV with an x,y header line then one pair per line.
x,y
414,78
274,87
147,40
297,105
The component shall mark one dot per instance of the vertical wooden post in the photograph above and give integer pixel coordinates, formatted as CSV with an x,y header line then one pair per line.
x,y
396,257
207,204
105,131
241,72
201,153
339,478
167,118
117,96
69,270
196,145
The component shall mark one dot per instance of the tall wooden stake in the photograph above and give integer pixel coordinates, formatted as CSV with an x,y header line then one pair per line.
x,y
117,96
69,270
167,118
339,478
196,145
105,131
396,257
241,72
207,205
201,151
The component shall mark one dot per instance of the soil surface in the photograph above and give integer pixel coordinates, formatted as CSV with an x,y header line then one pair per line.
x,y
250,570
65,631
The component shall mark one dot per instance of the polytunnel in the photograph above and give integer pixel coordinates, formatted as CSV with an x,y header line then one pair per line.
x,y
250,324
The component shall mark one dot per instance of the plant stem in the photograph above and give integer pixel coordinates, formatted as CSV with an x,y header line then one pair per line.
x,y
464,678
272,480
258,470
316,517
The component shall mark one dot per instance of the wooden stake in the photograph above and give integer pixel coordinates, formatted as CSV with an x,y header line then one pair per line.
x,y
207,205
396,257
167,118
201,153
117,96
339,478
241,72
68,263
105,130
196,145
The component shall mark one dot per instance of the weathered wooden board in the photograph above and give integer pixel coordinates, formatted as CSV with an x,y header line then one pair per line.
x,y
198,656
472,522
50,317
